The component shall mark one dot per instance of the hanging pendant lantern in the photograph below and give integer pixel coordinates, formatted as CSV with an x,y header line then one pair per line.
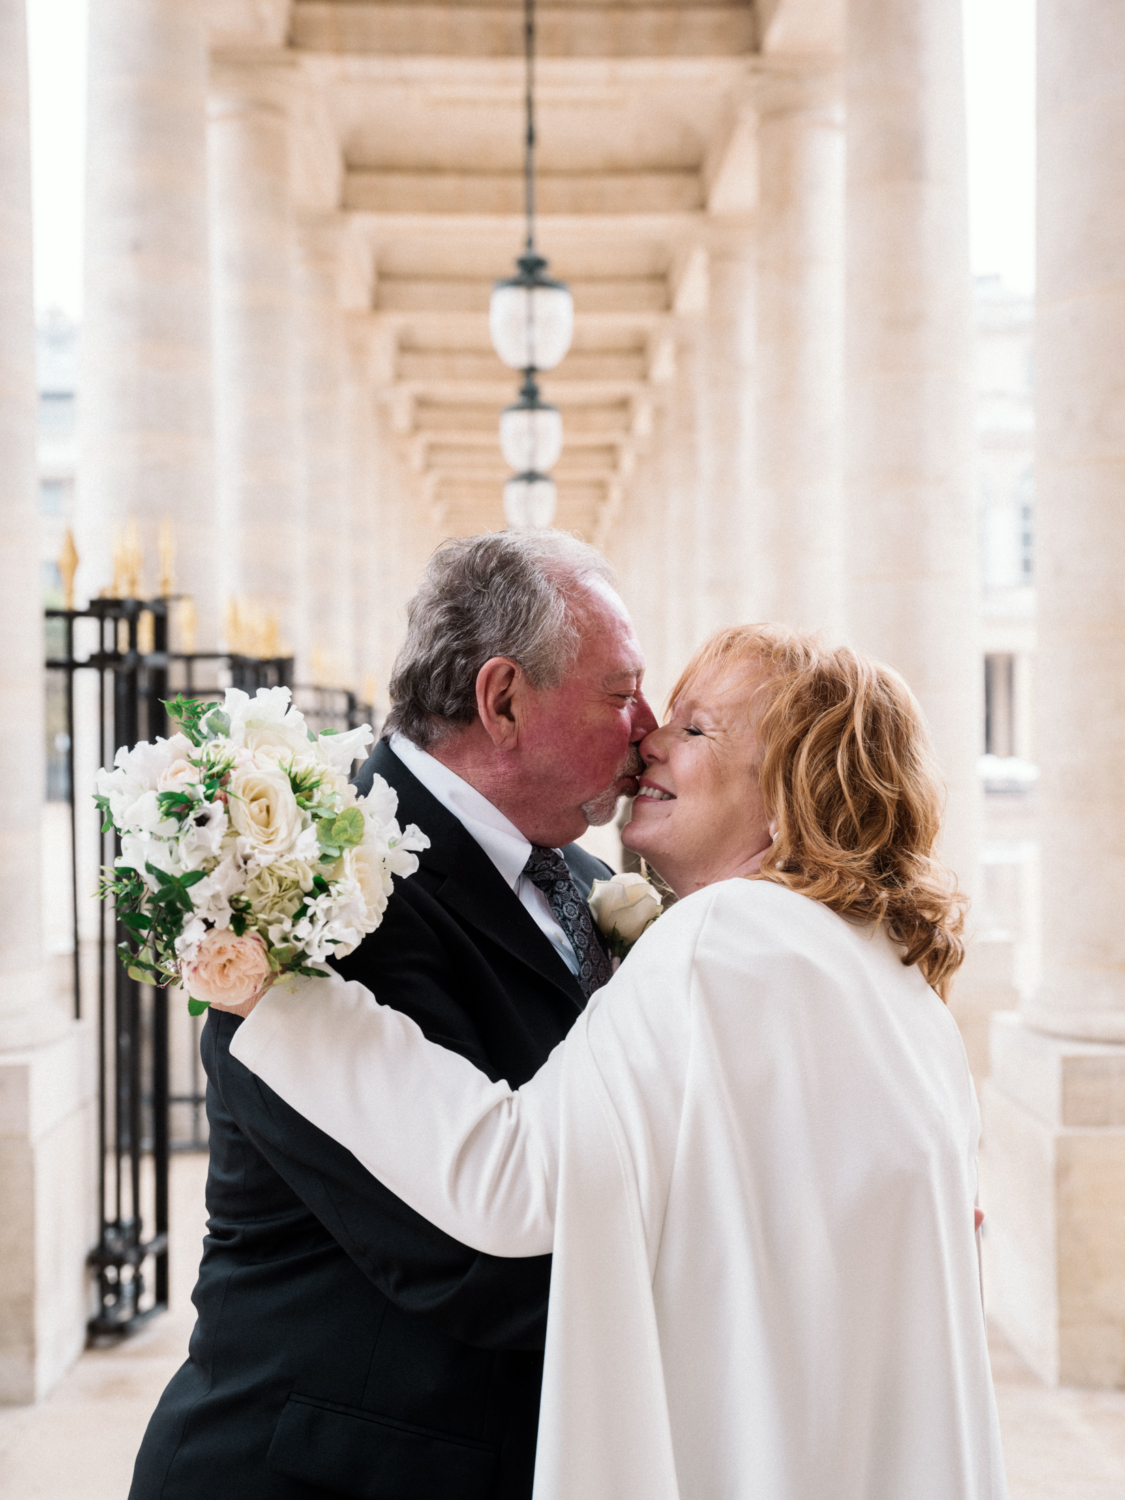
x,y
529,501
531,432
531,317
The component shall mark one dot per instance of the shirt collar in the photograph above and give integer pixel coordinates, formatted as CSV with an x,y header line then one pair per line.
x,y
497,835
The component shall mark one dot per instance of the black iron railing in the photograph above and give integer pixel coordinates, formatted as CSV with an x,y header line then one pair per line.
x,y
111,672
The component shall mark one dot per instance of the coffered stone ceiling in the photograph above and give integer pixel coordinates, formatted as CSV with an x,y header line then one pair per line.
x,y
410,131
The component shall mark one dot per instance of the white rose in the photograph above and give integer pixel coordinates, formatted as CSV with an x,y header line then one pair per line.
x,y
276,741
624,906
264,810
178,775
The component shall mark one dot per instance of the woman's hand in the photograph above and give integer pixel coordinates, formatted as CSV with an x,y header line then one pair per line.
x,y
244,1007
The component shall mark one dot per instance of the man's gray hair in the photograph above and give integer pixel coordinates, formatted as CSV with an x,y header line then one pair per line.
x,y
508,593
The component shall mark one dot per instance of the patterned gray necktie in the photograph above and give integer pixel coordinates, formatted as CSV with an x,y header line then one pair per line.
x,y
547,869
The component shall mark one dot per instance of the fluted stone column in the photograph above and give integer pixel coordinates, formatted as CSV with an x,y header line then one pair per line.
x,y
45,1159
328,545
800,228
258,426
1055,1113
145,410
729,587
911,508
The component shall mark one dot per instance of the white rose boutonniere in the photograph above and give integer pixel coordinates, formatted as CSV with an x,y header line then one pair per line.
x,y
623,908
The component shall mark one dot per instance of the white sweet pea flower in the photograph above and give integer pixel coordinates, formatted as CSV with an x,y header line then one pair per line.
x,y
268,706
380,806
340,750
277,742
193,933
211,896
203,834
135,773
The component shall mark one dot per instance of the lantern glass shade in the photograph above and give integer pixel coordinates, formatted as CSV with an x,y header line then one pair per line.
x,y
531,321
531,436
529,501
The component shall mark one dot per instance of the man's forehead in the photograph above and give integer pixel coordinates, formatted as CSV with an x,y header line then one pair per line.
x,y
609,651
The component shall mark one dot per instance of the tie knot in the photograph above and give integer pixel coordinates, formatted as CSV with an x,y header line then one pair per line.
x,y
546,867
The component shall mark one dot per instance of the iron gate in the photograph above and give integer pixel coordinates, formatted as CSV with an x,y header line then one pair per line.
x,y
110,672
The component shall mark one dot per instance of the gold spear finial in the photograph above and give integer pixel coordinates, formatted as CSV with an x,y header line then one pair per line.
x,y
185,626
68,566
166,587
270,641
233,627
128,560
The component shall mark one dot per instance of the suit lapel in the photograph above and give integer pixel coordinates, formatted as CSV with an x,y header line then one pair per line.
x,y
463,877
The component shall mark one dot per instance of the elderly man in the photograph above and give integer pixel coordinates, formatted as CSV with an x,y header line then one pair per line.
x,y
344,1346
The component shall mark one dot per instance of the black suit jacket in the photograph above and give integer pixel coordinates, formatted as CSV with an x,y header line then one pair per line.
x,y
344,1346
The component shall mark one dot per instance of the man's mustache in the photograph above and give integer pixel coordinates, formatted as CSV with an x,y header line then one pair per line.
x,y
633,765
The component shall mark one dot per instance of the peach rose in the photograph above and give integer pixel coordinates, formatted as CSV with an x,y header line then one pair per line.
x,y
227,970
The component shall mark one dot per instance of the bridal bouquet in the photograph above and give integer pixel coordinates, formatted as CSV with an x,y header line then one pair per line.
x,y
245,855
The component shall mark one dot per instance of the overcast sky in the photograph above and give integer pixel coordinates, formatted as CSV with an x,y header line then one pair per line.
x,y
1000,73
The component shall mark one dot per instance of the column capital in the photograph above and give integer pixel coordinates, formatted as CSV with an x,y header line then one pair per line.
x,y
253,79
815,87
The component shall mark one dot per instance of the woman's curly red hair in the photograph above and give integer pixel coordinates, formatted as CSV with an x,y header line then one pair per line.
x,y
846,769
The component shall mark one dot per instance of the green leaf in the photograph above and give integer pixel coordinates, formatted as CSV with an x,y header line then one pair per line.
x,y
186,714
347,828
139,921
193,877
217,723
325,732
196,1007
238,924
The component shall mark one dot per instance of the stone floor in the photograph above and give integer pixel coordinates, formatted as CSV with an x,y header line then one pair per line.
x,y
79,1443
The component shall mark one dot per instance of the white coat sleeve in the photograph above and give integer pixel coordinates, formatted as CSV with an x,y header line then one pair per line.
x,y
476,1158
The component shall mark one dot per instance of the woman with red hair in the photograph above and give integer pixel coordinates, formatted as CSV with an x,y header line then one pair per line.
x,y
754,1156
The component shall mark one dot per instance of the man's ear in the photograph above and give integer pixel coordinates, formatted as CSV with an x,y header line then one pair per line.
x,y
499,685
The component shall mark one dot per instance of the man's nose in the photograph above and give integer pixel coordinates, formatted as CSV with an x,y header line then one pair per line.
x,y
644,720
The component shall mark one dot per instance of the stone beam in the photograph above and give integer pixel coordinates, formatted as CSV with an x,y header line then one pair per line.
x,y
616,295
672,191
579,31
465,367
465,422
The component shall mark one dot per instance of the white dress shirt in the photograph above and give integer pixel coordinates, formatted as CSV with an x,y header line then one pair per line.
x,y
497,835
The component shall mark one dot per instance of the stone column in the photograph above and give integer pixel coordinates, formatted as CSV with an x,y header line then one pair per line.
x,y
911,507
258,427
682,457
45,1159
145,409
1056,1104
800,228
366,528
328,546
729,587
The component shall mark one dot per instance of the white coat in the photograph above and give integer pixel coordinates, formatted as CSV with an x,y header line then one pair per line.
x,y
754,1158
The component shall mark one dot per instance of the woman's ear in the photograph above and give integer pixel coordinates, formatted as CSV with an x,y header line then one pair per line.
x,y
775,829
